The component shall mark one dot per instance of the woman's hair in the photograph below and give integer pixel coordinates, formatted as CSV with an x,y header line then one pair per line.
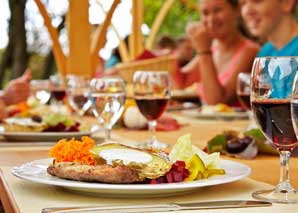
x,y
233,3
241,26
166,41
295,10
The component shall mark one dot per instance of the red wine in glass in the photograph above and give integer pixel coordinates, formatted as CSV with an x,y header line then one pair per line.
x,y
244,100
59,95
80,103
152,108
274,118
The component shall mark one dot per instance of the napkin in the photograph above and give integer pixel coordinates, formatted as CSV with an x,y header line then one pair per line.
x,y
167,123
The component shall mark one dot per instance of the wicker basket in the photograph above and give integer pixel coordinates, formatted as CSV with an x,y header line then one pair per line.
x,y
161,63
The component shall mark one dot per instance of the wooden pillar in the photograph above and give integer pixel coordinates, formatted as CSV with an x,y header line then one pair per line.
x,y
79,60
136,39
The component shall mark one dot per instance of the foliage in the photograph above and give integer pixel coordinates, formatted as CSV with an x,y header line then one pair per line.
x,y
176,20
36,65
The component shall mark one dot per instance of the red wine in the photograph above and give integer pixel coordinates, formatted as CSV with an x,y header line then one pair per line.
x,y
274,117
244,100
59,95
152,108
78,101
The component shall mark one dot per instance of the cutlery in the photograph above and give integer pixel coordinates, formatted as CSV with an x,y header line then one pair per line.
x,y
162,207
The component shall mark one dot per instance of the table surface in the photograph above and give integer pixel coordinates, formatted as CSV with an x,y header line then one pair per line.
x,y
265,168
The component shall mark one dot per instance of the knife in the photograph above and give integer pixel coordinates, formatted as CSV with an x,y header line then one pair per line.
x,y
162,207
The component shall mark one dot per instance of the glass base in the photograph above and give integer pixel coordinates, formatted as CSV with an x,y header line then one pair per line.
x,y
153,145
277,196
157,145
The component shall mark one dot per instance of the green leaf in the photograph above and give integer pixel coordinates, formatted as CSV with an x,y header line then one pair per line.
x,y
217,144
264,146
182,150
54,119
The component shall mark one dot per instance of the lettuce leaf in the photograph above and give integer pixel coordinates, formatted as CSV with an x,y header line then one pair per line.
x,y
184,150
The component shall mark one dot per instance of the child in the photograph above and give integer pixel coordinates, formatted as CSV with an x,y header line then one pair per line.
x,y
273,21
222,51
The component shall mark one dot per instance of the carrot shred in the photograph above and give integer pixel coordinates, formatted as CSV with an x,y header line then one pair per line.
x,y
73,150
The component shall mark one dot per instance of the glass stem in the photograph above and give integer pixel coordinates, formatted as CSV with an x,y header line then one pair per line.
x,y
107,134
284,181
152,128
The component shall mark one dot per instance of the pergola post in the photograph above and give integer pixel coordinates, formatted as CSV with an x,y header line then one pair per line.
x,y
136,39
79,60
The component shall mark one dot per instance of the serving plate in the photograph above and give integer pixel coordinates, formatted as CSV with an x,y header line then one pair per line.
x,y
36,171
43,136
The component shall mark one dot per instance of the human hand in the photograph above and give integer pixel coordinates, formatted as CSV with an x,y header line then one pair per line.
x,y
199,36
17,90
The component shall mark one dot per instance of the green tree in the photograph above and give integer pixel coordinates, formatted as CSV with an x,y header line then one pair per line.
x,y
176,19
15,55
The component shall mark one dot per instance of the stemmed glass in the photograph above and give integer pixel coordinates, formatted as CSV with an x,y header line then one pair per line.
x,y
57,89
77,89
243,94
40,90
272,80
152,92
243,89
107,97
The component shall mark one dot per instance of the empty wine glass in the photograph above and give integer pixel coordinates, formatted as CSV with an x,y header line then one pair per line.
x,y
40,90
77,89
152,92
271,87
107,98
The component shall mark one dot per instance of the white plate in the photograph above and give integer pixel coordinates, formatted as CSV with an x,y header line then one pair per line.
x,y
35,171
216,115
42,136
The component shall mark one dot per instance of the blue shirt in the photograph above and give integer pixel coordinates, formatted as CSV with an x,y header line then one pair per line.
x,y
112,61
290,49
281,83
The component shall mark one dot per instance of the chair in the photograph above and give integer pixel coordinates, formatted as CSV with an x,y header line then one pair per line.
x,y
160,63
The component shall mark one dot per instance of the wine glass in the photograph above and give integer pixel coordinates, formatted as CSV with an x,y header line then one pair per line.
x,y
40,90
243,94
152,92
77,89
57,89
107,98
272,80
243,89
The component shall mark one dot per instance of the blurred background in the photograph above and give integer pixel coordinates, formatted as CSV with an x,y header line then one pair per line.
x,y
25,41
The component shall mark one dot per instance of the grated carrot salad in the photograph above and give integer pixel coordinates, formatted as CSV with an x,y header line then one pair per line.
x,y
73,150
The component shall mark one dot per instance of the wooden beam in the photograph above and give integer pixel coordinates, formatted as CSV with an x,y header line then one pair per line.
x,y
122,45
157,23
57,49
100,34
136,39
79,61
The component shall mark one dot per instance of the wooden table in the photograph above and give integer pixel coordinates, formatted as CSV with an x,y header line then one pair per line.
x,y
264,168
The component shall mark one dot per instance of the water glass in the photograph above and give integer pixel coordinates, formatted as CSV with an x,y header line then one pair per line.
x,y
40,90
78,89
107,98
